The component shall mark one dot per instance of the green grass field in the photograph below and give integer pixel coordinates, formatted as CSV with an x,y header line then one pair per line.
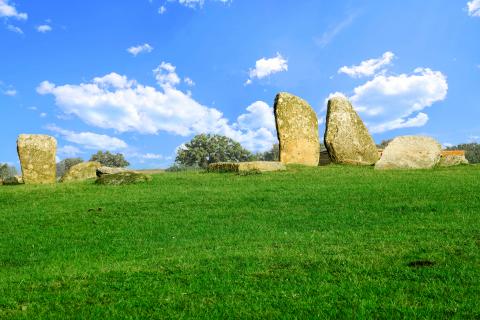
x,y
326,242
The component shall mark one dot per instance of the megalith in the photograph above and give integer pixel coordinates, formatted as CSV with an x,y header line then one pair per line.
x,y
346,137
297,130
37,155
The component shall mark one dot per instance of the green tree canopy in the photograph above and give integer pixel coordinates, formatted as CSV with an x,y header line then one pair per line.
x,y
204,149
7,171
110,160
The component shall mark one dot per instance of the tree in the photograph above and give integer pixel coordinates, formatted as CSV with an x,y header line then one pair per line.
x,y
110,160
472,151
204,149
271,155
65,165
384,144
7,171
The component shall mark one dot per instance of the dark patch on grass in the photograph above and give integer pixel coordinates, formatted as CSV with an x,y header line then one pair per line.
x,y
421,264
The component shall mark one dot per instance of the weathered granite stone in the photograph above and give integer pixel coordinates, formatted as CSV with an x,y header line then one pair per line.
x,y
346,136
259,166
37,158
452,158
297,129
123,178
109,170
82,171
410,152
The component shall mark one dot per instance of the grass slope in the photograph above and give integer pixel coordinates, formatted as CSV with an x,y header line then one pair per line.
x,y
327,242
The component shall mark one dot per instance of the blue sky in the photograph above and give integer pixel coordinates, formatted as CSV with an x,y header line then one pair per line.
x,y
142,77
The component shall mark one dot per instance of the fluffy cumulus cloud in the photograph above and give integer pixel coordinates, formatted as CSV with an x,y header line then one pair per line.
x,y
115,102
68,151
265,67
368,67
44,28
143,48
89,140
8,10
474,8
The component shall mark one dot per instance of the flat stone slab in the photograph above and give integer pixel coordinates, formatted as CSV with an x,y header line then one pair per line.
x,y
110,170
260,166
123,178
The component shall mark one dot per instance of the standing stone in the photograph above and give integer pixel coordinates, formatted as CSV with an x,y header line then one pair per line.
x,y
82,171
452,158
346,137
297,129
37,158
410,152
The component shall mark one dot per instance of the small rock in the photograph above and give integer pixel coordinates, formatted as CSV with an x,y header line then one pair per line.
x,y
123,178
410,152
297,129
37,158
452,158
259,166
346,137
82,171
109,170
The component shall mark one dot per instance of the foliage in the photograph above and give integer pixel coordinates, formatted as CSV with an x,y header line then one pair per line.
x,y
181,168
204,149
110,160
384,143
472,151
7,171
65,165
331,242
271,155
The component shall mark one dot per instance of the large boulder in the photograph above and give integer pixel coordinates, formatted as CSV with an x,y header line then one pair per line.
x,y
37,158
258,166
410,152
451,158
101,171
123,178
82,171
297,129
346,136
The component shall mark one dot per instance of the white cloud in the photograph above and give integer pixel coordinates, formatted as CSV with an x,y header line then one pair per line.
x,y
10,92
90,140
9,11
68,151
368,67
196,3
144,48
11,27
189,81
43,115
44,28
392,102
162,10
266,67
115,102
474,8
334,30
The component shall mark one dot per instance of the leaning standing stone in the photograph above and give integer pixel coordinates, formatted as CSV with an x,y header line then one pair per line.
x,y
410,152
37,158
346,137
82,171
297,129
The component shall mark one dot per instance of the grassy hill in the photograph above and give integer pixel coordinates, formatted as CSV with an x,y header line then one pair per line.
x,y
326,242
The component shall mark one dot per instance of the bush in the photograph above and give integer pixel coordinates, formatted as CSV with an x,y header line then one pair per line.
x,y
472,151
108,159
7,171
65,165
204,149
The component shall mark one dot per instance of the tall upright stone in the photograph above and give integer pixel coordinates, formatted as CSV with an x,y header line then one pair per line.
x,y
37,158
346,137
297,130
